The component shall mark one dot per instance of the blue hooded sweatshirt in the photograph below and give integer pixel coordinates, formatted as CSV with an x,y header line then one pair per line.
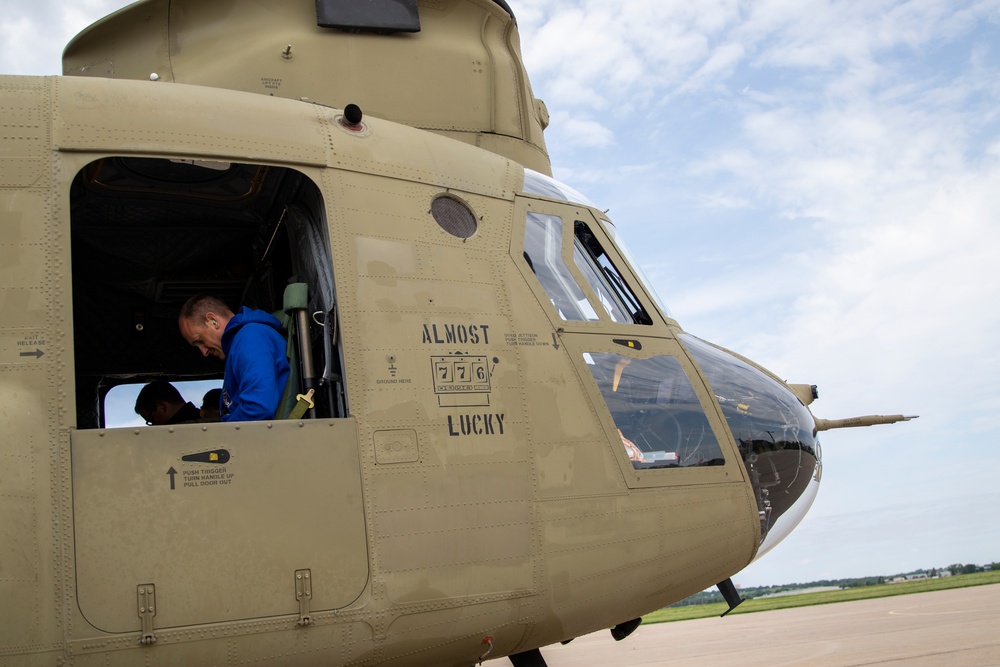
x,y
256,366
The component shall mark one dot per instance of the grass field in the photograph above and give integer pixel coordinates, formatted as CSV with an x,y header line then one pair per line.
x,y
807,599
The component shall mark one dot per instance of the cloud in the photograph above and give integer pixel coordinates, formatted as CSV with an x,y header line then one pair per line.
x,y
722,200
720,63
620,47
582,132
824,201
33,34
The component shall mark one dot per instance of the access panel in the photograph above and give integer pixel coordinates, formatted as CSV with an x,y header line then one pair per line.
x,y
218,518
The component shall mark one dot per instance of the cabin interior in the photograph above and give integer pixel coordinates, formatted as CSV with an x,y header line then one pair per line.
x,y
149,233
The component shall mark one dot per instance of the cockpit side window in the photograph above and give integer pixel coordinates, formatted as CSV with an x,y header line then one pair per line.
x,y
623,249
543,236
543,252
615,295
659,418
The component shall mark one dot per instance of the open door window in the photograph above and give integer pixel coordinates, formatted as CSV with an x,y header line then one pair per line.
x,y
148,233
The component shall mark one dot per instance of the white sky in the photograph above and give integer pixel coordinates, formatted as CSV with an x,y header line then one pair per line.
x,y
812,183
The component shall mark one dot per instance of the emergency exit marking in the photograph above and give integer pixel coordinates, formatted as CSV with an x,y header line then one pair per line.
x,y
529,339
198,477
30,345
23,346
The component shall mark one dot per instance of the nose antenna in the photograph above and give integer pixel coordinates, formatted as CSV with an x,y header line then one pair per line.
x,y
856,422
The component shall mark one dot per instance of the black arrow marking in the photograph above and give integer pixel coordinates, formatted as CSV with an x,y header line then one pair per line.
x,y
555,342
171,472
36,354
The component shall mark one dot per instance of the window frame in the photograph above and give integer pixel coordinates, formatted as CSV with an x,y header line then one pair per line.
x,y
296,186
570,214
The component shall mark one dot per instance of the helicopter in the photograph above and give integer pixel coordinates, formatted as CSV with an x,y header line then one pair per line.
x,y
511,441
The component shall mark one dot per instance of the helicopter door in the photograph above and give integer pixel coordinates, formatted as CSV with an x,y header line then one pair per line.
x,y
657,409
218,519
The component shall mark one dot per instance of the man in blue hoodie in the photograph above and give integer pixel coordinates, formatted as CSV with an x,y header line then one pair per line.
x,y
253,348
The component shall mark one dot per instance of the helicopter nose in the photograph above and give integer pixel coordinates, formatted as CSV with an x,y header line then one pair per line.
x,y
775,434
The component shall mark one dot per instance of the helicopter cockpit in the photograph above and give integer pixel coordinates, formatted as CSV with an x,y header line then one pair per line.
x,y
651,397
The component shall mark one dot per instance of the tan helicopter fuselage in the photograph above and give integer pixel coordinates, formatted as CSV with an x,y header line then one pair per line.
x,y
472,495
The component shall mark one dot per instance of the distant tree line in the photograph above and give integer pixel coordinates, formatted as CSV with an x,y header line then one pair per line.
x,y
713,595
958,568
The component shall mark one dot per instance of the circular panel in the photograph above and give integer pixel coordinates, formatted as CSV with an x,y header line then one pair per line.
x,y
454,216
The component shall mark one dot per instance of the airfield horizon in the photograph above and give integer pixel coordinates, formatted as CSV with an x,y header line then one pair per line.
x,y
808,599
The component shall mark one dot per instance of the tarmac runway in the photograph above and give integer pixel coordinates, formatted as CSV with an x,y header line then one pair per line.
x,y
953,628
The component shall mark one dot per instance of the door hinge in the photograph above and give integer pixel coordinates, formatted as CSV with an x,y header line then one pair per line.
x,y
304,593
146,605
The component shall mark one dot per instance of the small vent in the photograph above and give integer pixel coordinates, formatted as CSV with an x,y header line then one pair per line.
x,y
454,216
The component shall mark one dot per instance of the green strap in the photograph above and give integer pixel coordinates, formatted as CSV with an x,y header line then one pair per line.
x,y
304,403
296,297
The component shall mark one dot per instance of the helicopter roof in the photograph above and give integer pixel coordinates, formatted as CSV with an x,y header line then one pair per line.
x,y
448,66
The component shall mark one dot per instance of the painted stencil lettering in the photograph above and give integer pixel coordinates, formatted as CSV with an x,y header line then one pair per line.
x,y
456,334
489,423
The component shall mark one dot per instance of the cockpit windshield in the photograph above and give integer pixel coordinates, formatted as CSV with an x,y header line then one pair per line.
x,y
546,186
775,434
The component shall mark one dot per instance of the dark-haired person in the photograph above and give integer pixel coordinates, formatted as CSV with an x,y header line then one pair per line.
x,y
210,411
159,403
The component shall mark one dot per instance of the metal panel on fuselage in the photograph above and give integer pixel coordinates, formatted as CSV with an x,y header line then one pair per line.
x,y
436,394
33,351
220,539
